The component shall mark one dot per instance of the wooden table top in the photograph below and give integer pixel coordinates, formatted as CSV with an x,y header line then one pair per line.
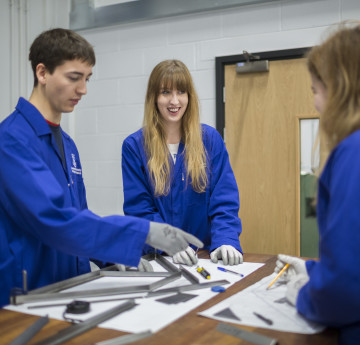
x,y
190,329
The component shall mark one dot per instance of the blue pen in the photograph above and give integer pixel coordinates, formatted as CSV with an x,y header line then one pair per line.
x,y
226,270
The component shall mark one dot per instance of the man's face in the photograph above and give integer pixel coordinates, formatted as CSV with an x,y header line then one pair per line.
x,y
66,85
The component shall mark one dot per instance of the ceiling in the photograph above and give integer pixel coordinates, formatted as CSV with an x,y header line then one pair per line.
x,y
87,14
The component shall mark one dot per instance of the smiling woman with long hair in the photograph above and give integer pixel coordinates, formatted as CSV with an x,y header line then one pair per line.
x,y
176,170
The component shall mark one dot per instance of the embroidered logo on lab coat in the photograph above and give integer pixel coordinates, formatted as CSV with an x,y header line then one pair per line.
x,y
74,168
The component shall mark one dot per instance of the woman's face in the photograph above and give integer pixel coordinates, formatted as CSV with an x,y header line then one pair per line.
x,y
172,105
320,94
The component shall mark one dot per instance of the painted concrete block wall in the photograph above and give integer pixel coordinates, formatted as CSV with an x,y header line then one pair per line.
x,y
20,22
126,54
5,95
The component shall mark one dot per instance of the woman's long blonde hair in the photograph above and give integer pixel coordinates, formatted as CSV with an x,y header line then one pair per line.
x,y
336,63
173,74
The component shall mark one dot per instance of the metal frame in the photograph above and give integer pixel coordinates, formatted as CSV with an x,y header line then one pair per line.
x,y
53,291
51,296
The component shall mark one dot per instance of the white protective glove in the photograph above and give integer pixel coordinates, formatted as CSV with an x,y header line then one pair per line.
x,y
294,285
144,266
297,266
228,254
170,239
94,267
186,257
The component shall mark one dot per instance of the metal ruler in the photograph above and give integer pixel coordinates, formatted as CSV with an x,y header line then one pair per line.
x,y
187,288
126,339
30,332
251,337
79,328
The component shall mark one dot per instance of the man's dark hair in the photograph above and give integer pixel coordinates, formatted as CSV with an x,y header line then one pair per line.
x,y
55,47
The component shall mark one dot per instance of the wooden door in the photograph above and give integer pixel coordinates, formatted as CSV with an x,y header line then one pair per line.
x,y
261,112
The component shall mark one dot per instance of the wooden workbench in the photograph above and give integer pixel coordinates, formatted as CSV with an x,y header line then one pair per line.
x,y
190,329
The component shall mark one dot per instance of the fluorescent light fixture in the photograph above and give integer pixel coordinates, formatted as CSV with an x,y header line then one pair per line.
x,y
103,3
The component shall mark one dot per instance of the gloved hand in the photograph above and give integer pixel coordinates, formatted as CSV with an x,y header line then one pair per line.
x,y
186,257
294,285
94,266
144,266
228,254
170,239
297,266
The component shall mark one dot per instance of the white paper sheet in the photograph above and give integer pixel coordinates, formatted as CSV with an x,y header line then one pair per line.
x,y
149,314
270,304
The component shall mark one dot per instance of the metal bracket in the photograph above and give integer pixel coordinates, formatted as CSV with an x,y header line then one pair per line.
x,y
253,64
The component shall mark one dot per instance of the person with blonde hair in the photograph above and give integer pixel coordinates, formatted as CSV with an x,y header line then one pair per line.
x,y
177,171
328,291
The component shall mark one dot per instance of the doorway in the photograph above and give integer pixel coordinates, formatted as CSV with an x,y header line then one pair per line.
x,y
258,120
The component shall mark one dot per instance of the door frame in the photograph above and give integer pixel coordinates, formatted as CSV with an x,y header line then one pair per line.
x,y
222,61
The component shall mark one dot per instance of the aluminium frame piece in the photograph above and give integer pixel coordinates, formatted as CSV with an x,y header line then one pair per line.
x,y
194,281
171,267
161,261
53,291
184,288
76,329
110,271
126,339
52,296
251,337
30,332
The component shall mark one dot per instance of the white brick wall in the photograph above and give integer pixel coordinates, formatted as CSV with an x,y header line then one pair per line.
x,y
127,53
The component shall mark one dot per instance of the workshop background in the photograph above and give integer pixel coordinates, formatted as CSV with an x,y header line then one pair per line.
x,y
127,52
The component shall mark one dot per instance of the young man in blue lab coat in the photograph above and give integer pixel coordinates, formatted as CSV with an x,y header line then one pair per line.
x,y
45,226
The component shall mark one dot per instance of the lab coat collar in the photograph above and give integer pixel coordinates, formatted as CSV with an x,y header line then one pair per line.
x,y
33,117
39,124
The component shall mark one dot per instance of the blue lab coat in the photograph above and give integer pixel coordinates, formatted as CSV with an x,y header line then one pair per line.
x,y
211,216
45,226
332,295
